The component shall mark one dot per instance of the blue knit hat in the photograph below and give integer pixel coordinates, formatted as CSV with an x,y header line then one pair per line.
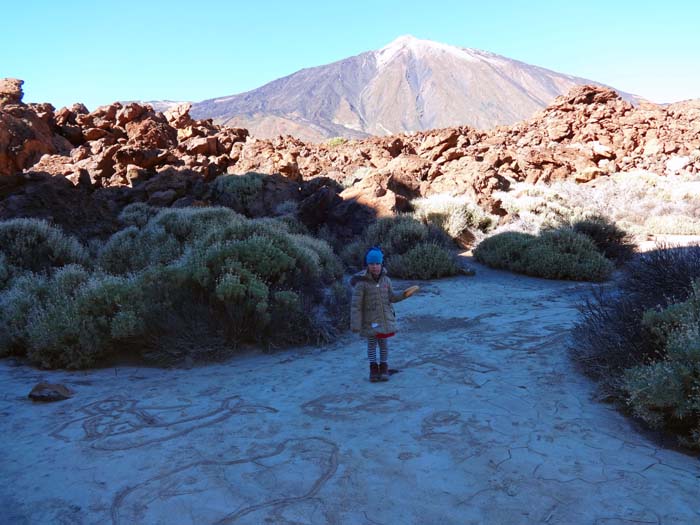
x,y
374,256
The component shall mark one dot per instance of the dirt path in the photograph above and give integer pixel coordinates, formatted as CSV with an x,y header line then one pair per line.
x,y
487,423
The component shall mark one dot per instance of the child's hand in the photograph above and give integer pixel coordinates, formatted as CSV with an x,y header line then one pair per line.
x,y
408,292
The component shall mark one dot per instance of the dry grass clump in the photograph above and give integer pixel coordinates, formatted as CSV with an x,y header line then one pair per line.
x,y
673,225
460,217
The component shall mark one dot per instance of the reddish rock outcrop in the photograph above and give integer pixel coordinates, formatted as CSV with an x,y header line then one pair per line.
x,y
169,159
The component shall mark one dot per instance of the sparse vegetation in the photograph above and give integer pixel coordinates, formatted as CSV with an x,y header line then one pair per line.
x,y
673,225
628,199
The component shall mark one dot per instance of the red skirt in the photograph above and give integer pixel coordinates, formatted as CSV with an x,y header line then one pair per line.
x,y
385,336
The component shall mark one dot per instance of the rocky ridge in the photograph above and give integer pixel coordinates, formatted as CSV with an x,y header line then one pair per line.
x,y
79,168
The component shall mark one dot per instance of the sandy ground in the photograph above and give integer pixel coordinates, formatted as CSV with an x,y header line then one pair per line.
x,y
487,423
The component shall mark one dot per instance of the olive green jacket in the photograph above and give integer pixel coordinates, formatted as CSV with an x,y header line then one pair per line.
x,y
371,311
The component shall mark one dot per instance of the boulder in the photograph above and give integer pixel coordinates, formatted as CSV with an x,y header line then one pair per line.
x,y
11,91
46,392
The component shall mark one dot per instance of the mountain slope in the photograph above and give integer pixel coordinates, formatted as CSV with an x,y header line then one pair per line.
x,y
407,86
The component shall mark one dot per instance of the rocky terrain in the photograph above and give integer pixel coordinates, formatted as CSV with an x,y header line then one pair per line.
x,y
409,85
80,168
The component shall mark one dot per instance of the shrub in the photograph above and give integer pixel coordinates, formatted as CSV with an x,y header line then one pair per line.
x,y
238,192
137,214
336,141
188,225
16,303
555,254
396,235
457,216
289,207
662,276
611,240
666,393
31,245
249,271
399,235
286,223
353,254
322,254
504,250
131,249
84,317
252,279
424,261
623,328
538,207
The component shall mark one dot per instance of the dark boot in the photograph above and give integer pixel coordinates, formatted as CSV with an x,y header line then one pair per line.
x,y
383,372
373,372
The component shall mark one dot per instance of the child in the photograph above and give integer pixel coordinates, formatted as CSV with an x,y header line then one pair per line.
x,y
372,314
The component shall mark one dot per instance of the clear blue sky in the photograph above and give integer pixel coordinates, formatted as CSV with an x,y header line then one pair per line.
x,y
96,51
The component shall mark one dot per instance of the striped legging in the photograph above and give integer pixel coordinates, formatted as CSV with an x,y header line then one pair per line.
x,y
372,342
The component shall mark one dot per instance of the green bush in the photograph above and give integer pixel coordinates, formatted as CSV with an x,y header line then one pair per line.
x,y
506,251
554,254
245,270
624,327
353,254
424,261
322,254
252,279
132,249
188,225
397,236
31,245
336,141
539,206
84,317
666,393
238,192
137,214
16,304
611,240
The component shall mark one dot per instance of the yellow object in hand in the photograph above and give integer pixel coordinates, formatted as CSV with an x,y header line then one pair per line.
x,y
408,292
